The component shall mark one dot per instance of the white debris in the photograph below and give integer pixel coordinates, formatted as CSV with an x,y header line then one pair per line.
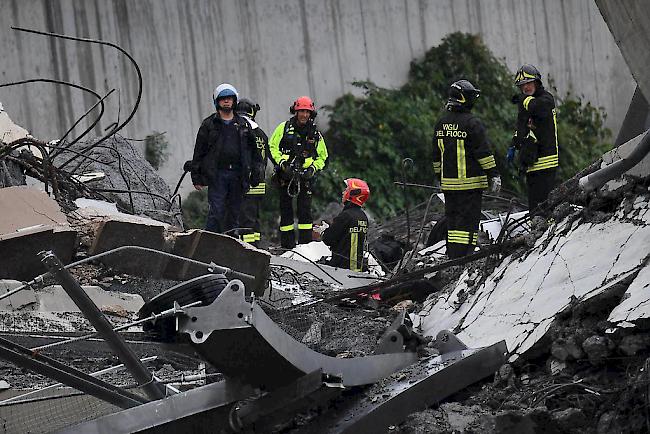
x,y
317,250
519,301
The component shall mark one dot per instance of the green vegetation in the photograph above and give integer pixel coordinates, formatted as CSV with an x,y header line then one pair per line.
x,y
155,149
370,135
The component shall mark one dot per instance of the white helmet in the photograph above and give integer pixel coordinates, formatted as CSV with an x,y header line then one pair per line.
x,y
224,90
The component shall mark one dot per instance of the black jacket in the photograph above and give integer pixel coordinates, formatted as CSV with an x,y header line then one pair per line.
x,y
208,148
461,153
346,237
536,133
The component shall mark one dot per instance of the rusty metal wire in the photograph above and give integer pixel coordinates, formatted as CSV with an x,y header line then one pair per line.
x,y
118,126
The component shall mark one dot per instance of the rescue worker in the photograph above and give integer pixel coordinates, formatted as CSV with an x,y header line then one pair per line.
x,y
250,208
463,162
536,135
346,237
298,152
224,154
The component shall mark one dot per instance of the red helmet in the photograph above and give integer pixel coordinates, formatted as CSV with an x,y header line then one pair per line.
x,y
303,103
356,191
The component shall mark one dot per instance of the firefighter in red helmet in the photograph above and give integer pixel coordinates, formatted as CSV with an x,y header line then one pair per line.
x,y
346,237
299,153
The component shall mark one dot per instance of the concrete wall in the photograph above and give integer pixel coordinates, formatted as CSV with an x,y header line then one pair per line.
x,y
274,51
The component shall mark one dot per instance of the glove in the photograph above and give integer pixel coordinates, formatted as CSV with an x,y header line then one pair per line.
x,y
256,177
187,167
320,229
308,173
495,184
510,156
517,98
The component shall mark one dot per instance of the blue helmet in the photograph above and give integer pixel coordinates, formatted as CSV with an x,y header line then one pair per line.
x,y
222,91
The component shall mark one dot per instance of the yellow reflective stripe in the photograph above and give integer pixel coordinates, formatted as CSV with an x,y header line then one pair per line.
x,y
543,166
248,238
354,243
464,184
487,162
260,189
527,100
557,146
441,146
305,226
527,75
458,237
460,158
475,238
436,167
286,228
258,236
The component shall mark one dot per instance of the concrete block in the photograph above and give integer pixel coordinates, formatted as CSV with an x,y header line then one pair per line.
x,y
19,260
116,233
222,250
24,207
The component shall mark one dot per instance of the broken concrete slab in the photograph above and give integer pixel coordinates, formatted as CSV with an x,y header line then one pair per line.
x,y
24,207
19,300
520,299
115,233
54,299
221,249
21,261
636,300
641,170
9,131
99,210
338,277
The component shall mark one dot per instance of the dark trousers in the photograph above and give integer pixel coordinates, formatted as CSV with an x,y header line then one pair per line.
x,y
224,195
249,220
463,213
540,184
303,204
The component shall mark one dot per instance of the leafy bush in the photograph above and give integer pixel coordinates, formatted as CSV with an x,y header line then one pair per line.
x,y
155,149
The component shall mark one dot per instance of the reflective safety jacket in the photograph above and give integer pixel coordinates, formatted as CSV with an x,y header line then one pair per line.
x,y
259,169
461,154
289,141
537,131
346,237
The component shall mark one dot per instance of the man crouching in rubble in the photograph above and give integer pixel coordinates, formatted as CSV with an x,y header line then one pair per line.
x,y
463,161
224,154
346,237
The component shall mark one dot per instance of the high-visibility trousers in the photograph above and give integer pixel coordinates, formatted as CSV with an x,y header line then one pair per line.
x,y
463,212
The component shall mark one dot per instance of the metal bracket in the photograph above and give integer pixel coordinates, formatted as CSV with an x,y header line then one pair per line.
x,y
228,310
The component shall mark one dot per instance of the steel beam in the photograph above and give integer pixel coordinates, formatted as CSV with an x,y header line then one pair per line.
x,y
184,412
426,384
238,338
127,356
79,380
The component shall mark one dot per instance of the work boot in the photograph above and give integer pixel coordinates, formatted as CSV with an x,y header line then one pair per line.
x,y
305,236
287,239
